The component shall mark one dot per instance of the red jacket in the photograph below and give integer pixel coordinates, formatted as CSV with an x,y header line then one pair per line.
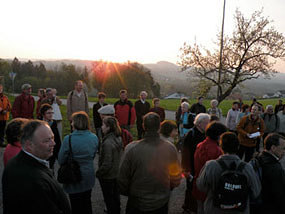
x,y
207,150
23,106
11,151
125,112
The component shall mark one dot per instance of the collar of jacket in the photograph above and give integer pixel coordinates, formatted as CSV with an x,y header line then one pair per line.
x,y
151,135
268,153
110,134
123,102
79,132
209,140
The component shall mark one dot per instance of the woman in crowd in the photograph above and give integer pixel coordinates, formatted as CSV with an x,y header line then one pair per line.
x,y
214,110
84,146
109,159
42,96
13,133
157,109
168,130
46,113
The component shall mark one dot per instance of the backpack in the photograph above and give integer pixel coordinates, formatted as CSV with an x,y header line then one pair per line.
x,y
232,190
256,165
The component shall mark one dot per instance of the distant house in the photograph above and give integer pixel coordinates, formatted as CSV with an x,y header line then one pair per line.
x,y
175,95
268,95
277,94
281,93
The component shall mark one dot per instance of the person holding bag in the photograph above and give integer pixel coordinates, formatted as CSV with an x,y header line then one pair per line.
x,y
84,146
109,160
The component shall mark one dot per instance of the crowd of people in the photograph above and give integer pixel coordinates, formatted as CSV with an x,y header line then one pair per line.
x,y
219,161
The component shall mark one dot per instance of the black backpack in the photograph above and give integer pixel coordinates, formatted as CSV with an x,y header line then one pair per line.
x,y
232,190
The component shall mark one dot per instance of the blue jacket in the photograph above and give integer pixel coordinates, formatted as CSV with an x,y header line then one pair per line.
x,y
84,147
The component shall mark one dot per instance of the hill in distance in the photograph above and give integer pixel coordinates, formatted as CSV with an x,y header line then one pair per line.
x,y
172,79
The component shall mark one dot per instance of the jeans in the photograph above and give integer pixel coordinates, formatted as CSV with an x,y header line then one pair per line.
x,y
111,195
81,202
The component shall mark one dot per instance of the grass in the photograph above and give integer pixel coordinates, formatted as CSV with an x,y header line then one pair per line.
x,y
170,105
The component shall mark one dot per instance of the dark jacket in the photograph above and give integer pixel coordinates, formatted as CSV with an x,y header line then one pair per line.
x,y
110,156
271,121
96,116
125,112
57,140
197,108
160,111
29,187
23,106
273,184
148,171
141,110
192,139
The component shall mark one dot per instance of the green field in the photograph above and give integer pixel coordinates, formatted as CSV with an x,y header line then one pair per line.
x,y
170,104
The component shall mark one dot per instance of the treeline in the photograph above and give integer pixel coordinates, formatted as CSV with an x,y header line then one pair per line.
x,y
102,76
111,77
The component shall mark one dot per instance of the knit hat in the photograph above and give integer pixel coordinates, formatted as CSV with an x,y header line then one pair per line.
x,y
26,86
108,109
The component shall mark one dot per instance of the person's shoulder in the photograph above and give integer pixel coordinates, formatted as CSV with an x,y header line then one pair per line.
x,y
131,146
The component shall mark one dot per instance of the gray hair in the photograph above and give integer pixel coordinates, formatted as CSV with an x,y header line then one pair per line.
x,y
201,117
269,106
185,104
214,101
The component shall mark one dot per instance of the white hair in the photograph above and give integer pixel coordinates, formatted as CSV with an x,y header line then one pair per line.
x,y
269,106
214,101
143,92
185,104
200,117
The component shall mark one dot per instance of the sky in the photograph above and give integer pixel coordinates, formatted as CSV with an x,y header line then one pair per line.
x,y
145,31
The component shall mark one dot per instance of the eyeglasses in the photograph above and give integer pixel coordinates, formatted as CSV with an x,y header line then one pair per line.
x,y
50,112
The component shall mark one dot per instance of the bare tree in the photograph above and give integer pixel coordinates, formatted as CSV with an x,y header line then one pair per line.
x,y
249,53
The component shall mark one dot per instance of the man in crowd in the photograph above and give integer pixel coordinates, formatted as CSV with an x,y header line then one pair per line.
x,y
198,107
5,108
211,173
125,111
96,116
248,125
28,184
149,170
77,100
24,104
271,121
142,108
192,139
273,175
